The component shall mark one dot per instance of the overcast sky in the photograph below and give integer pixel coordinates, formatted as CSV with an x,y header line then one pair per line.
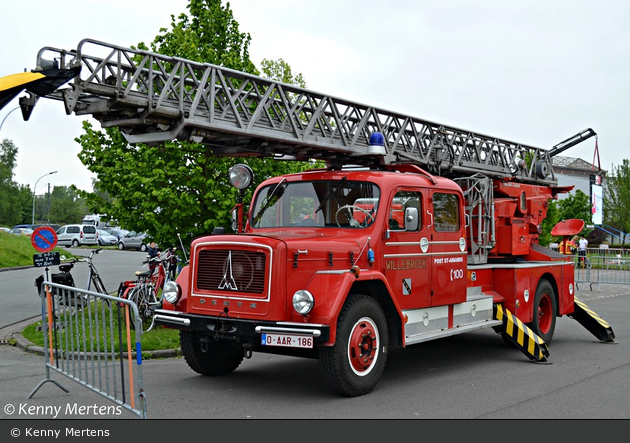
x,y
534,72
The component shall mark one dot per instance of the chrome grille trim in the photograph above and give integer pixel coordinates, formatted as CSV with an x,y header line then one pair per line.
x,y
244,255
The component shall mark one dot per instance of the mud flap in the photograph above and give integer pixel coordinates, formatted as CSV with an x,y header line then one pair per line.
x,y
526,340
592,322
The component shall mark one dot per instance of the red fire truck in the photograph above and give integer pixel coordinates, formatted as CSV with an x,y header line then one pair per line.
x,y
413,231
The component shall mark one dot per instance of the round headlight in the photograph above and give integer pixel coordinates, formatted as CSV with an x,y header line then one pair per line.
x,y
303,301
241,176
171,292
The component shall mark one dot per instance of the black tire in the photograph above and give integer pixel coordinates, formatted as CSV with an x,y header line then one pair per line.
x,y
75,243
121,246
545,311
221,357
143,248
361,326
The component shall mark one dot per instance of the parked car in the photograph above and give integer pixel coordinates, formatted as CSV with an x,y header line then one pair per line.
x,y
106,239
37,225
115,231
21,231
134,240
77,235
4,229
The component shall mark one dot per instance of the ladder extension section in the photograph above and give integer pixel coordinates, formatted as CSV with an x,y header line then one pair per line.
x,y
154,98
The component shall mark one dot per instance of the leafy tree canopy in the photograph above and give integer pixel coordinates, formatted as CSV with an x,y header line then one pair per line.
x,y
617,197
15,200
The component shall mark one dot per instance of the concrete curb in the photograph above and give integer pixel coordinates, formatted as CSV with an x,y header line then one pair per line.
x,y
14,332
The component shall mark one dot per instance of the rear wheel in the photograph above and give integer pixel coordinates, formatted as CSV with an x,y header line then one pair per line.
x,y
545,311
354,365
207,356
75,243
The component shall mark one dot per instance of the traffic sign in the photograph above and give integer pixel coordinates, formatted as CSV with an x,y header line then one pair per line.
x,y
44,239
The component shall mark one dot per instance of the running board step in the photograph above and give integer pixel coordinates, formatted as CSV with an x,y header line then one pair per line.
x,y
526,340
592,322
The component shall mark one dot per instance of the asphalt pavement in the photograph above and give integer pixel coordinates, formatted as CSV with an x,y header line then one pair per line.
x,y
471,376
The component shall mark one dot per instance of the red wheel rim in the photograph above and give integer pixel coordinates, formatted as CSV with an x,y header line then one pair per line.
x,y
363,346
544,314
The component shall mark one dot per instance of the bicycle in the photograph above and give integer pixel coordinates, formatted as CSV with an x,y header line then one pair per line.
x,y
146,290
65,278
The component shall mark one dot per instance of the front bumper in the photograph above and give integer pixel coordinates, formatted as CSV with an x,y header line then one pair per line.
x,y
241,330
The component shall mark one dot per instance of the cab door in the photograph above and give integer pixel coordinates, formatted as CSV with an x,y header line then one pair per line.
x,y
407,264
447,248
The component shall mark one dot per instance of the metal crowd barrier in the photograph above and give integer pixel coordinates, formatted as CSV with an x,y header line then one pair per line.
x,y
88,337
603,265
602,269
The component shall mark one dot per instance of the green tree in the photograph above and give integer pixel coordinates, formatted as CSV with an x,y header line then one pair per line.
x,y
66,205
178,187
576,205
617,197
552,217
15,199
280,71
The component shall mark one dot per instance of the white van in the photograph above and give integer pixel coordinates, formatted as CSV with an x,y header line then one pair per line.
x,y
98,220
77,235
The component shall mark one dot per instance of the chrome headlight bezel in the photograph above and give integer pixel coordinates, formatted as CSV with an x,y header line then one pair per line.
x,y
171,292
303,301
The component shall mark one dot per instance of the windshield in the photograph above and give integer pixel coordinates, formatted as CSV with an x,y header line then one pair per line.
x,y
339,203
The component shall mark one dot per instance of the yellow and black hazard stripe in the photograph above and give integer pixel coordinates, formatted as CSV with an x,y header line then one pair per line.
x,y
592,322
523,337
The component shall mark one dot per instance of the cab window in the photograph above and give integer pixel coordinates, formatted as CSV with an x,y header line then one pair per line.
x,y
446,212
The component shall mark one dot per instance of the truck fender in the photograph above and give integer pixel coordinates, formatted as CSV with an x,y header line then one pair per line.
x,y
345,283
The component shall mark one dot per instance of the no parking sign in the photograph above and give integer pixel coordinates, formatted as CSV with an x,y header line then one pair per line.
x,y
44,239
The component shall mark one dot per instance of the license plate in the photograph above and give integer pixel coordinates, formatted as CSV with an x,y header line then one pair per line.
x,y
287,341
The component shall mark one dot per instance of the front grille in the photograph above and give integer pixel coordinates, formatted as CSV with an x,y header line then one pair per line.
x,y
231,270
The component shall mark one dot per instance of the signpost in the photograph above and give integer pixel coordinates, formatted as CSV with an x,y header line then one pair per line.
x,y
44,239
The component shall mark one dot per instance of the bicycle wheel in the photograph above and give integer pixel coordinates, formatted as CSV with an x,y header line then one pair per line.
x,y
99,286
142,295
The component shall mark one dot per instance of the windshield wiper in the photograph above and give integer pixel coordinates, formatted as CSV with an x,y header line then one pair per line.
x,y
330,194
272,197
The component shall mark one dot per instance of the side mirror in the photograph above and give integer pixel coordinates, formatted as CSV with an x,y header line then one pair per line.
x,y
411,219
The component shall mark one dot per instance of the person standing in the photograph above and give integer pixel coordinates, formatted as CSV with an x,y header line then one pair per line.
x,y
153,252
582,245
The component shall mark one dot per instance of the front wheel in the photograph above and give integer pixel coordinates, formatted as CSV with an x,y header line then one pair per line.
x,y
142,295
355,363
207,356
121,246
545,311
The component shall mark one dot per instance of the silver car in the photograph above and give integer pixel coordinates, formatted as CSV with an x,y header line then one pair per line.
x,y
77,235
134,240
106,239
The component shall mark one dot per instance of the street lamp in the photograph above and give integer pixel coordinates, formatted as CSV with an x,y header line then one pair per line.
x,y
5,117
34,188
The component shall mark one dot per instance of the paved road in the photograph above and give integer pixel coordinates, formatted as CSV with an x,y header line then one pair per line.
x,y
471,376
18,295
